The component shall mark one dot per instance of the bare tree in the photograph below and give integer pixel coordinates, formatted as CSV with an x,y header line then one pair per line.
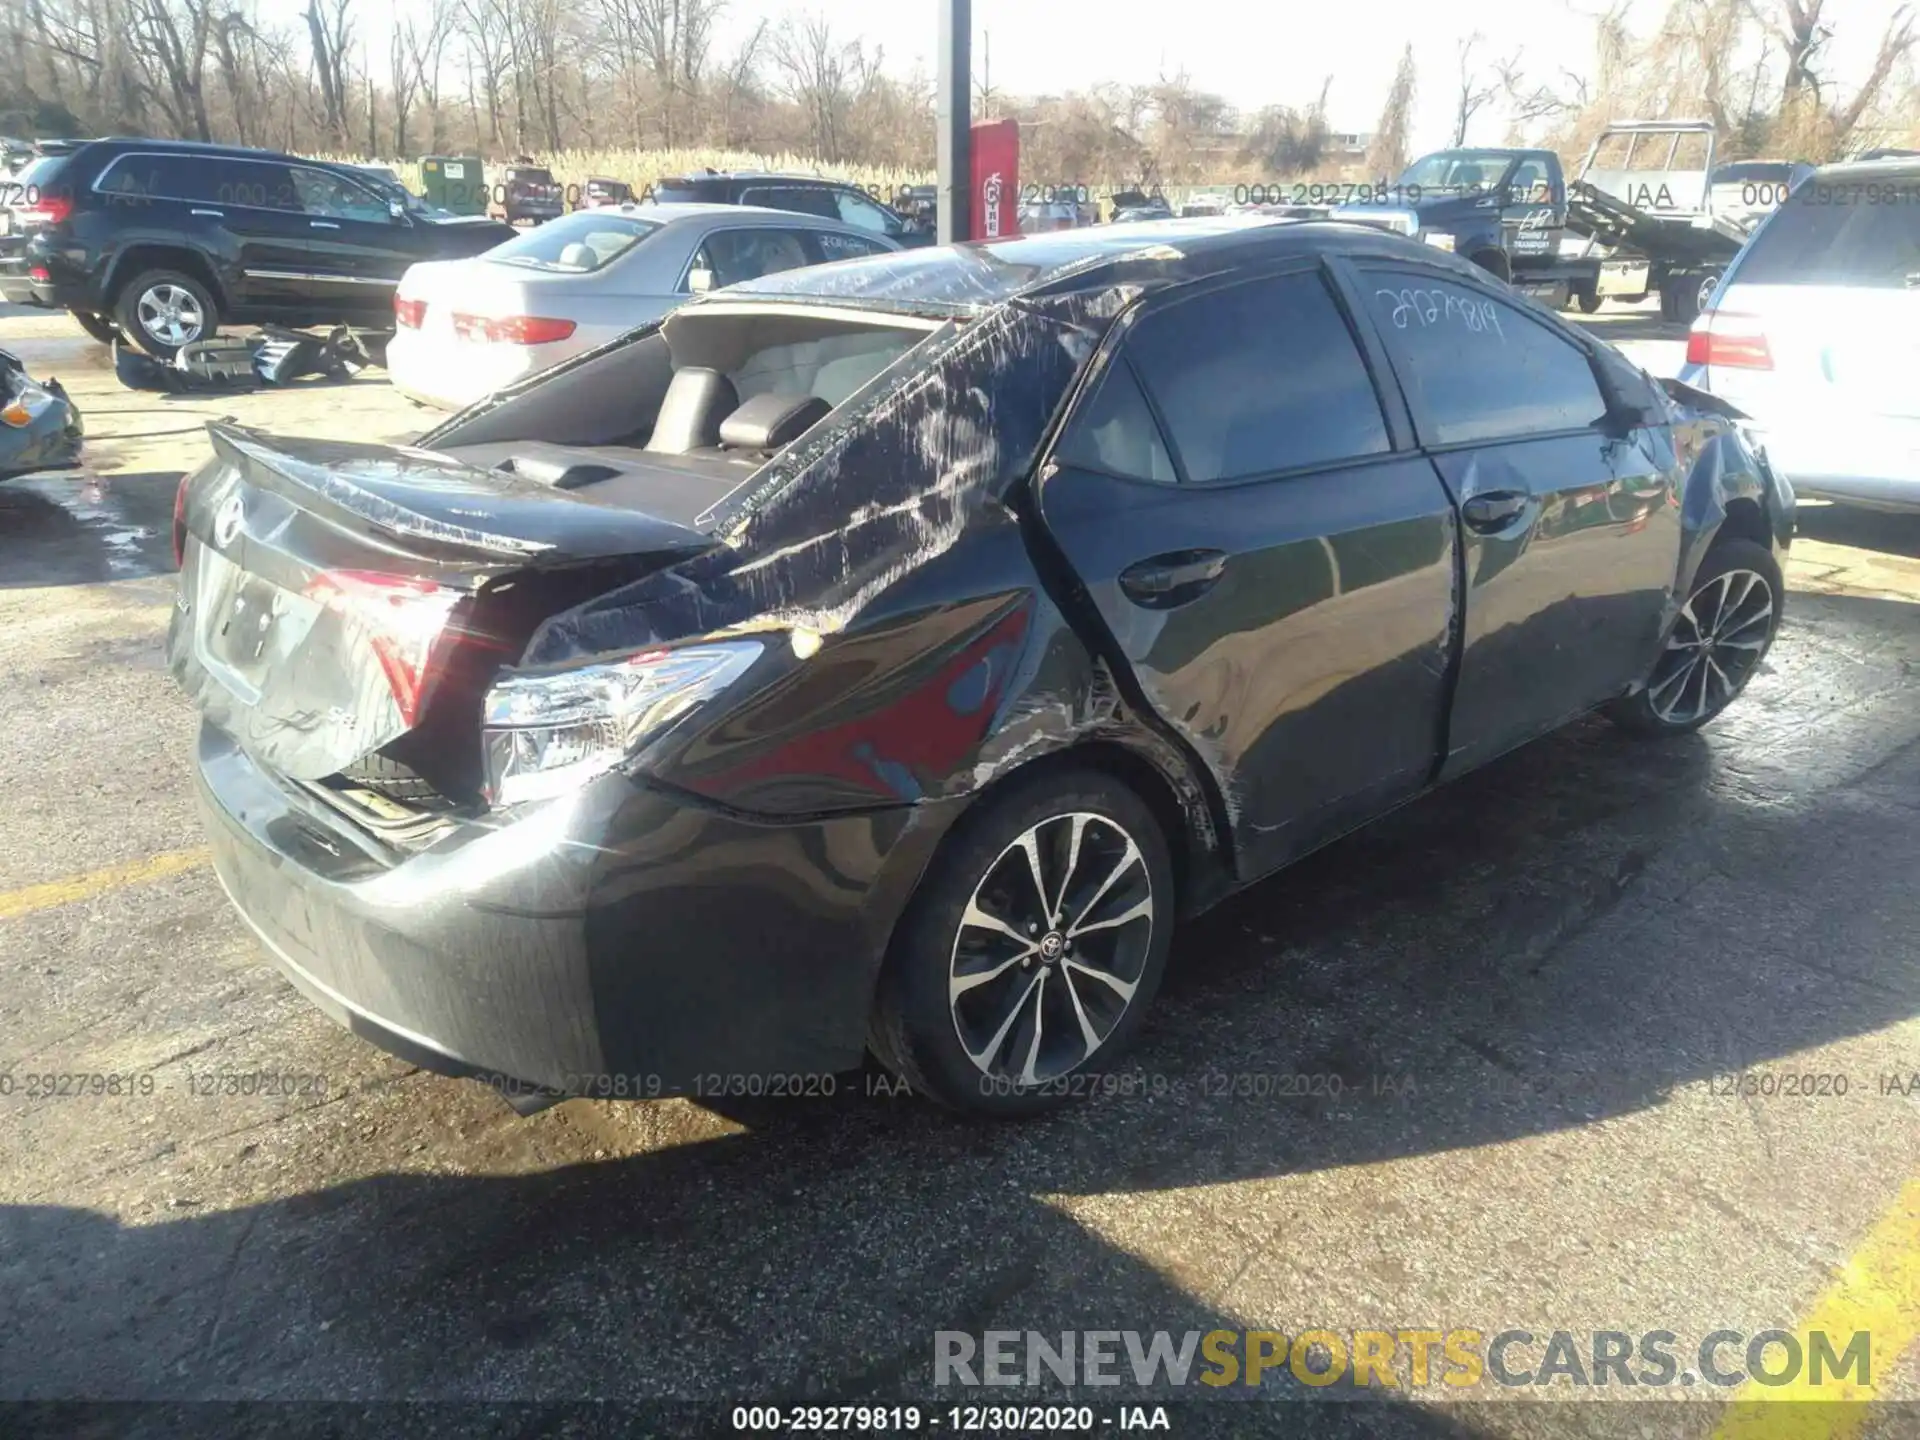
x,y
817,73
1387,154
426,47
1474,92
330,31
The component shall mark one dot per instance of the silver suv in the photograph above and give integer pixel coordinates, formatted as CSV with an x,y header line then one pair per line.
x,y
1815,333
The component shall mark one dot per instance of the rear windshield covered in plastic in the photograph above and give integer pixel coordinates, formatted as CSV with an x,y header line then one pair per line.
x,y
1835,231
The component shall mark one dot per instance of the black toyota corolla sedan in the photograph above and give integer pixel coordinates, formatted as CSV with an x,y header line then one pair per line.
x,y
885,656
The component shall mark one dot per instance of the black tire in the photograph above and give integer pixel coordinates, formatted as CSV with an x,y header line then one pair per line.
x,y
99,327
1735,644
1685,295
1587,299
918,1020
153,286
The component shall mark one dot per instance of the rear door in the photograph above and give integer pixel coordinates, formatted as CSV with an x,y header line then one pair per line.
x,y
209,201
1818,326
1572,537
1270,567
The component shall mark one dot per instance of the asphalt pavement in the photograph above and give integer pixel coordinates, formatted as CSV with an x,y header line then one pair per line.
x,y
1532,1013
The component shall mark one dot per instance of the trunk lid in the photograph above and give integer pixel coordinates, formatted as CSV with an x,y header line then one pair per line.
x,y
334,596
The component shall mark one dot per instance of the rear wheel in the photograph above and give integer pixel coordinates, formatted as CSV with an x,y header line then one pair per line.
x,y
1032,949
100,327
164,309
1716,644
1587,298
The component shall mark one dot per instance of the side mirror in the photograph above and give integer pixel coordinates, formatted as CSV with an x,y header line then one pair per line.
x,y
396,212
699,281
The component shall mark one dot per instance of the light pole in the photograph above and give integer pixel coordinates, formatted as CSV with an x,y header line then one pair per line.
x,y
953,146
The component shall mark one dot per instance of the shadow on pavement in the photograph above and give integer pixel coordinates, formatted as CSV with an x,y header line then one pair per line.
x,y
1571,935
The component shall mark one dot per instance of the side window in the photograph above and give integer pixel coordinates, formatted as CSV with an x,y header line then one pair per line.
x,y
161,177
1530,185
806,200
335,196
736,255
261,184
1258,378
1476,368
1114,431
856,209
832,245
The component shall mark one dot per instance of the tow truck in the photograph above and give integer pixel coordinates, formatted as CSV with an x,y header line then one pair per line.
x,y
1637,220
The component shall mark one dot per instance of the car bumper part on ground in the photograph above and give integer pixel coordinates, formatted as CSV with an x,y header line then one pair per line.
x,y
618,942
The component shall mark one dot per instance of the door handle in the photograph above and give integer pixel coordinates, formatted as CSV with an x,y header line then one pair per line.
x,y
216,214
1495,510
323,224
1176,578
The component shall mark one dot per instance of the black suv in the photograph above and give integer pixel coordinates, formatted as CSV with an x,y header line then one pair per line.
x,y
806,194
168,239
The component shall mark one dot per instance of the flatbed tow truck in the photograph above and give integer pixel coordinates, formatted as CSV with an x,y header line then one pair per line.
x,y
1636,220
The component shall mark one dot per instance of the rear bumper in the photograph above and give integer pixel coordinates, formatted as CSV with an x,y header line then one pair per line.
x,y
618,942
1859,459
437,369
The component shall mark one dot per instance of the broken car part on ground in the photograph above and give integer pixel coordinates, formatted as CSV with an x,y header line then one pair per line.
x,y
39,427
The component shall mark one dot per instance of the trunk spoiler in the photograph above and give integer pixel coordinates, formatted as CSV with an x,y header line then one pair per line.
x,y
432,507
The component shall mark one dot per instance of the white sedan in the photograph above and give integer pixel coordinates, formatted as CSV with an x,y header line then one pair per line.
x,y
465,328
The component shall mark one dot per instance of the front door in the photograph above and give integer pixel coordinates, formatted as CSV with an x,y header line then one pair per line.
x,y
1271,572
357,248
1571,536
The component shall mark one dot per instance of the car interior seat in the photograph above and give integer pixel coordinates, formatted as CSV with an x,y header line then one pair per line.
x,y
690,413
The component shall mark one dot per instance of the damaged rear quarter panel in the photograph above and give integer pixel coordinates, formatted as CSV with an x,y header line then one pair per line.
x,y
886,486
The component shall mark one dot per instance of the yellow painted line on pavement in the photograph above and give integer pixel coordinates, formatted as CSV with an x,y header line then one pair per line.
x,y
1878,1291
15,903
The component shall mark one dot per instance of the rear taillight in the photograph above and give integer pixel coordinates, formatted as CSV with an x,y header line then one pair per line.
x,y
48,210
405,621
40,273
410,314
1734,342
511,329
180,522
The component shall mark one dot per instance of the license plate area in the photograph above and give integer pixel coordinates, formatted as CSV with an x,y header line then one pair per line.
x,y
249,627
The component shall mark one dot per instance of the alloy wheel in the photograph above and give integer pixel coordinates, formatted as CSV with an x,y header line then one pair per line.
x,y
1051,948
1716,645
171,314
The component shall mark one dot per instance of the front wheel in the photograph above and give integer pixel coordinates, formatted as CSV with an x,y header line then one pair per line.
x,y
165,309
1032,949
1716,644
